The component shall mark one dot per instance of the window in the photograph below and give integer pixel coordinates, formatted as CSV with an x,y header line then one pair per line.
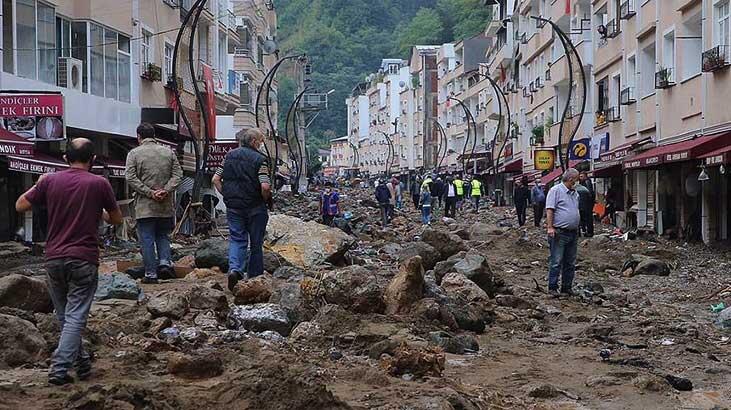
x,y
615,90
46,44
260,52
631,71
723,28
111,80
668,50
146,49
63,37
25,11
222,52
79,49
602,94
647,70
96,67
169,50
7,20
245,91
692,47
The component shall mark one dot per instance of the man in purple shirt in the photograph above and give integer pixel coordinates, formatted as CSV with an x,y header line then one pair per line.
x,y
76,200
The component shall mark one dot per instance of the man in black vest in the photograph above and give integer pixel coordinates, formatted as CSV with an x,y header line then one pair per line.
x,y
243,180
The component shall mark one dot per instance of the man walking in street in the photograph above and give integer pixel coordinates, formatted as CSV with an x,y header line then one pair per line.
x,y
415,190
76,201
244,182
538,199
586,206
562,225
383,196
154,173
459,188
588,227
476,189
521,198
329,204
451,199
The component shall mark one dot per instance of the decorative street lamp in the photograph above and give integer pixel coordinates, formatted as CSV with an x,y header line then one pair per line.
x,y
470,119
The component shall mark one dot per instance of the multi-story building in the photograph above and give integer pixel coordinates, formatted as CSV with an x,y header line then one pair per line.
x,y
112,65
341,156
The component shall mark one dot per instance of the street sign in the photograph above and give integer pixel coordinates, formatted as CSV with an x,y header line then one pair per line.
x,y
33,117
544,159
579,149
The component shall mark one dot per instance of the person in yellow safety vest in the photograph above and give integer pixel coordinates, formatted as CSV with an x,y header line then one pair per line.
x,y
476,193
459,187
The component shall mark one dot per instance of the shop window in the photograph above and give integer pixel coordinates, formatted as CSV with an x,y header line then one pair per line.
x,y
7,20
96,67
79,49
25,12
46,44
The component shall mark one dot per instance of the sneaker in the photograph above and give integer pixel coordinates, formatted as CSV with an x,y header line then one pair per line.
x,y
233,278
567,292
60,380
150,281
553,293
83,370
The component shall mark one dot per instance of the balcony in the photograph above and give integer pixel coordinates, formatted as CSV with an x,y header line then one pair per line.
x,y
151,72
612,29
664,78
627,10
548,74
539,83
627,96
533,87
716,59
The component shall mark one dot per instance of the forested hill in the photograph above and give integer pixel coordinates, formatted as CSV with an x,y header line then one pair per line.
x,y
346,40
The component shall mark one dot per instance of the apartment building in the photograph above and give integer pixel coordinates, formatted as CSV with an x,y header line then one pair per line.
x,y
109,64
341,157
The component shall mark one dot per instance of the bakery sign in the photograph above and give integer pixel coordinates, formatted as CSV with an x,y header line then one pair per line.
x,y
33,117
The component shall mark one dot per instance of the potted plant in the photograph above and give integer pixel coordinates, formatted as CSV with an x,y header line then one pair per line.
x,y
538,132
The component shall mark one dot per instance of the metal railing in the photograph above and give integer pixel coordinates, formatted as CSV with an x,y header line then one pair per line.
x,y
716,58
627,96
627,9
664,78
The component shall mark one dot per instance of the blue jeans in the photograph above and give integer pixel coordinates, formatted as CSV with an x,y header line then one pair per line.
x,y
72,284
245,249
154,234
563,259
425,215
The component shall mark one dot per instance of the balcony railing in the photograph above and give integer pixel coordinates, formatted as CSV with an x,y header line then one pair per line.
x,y
540,24
664,78
533,87
716,59
627,96
539,82
612,28
627,10
242,51
524,38
613,114
151,72
526,93
548,74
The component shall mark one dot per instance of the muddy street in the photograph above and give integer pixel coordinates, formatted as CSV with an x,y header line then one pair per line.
x,y
455,315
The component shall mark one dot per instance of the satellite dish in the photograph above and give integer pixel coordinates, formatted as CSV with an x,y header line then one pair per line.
x,y
402,84
269,46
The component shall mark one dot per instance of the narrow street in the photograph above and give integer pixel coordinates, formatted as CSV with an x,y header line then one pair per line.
x,y
354,325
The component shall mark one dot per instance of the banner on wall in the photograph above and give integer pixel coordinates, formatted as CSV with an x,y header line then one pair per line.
x,y
544,159
579,149
599,145
33,117
218,152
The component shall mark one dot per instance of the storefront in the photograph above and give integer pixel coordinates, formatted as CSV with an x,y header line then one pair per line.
x,y
716,224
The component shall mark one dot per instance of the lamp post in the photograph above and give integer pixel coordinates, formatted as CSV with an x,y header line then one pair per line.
x,y
391,152
442,144
471,119
292,114
569,50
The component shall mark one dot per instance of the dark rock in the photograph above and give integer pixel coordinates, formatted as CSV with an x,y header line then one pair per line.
x,y
723,321
354,288
645,265
475,267
483,232
170,304
195,366
117,286
446,266
454,344
429,255
289,296
259,318
457,286
256,290
25,293
679,383
289,273
405,288
207,298
212,252
274,261
20,342
544,391
445,243
466,317
514,302
159,324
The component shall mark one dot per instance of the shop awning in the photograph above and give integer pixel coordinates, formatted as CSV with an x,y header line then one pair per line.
x,y
513,166
531,176
557,172
622,151
39,163
116,167
678,152
12,144
721,156
614,170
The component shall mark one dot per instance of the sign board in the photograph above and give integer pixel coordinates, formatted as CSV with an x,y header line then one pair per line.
x,y
508,152
579,149
34,166
33,117
11,144
210,101
544,159
217,153
599,145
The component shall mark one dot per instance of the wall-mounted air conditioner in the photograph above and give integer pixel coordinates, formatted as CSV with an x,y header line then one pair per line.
x,y
70,72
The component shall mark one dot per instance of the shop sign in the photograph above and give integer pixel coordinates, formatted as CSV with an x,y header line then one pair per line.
x,y
579,149
116,172
508,153
652,160
34,117
599,145
21,149
34,166
210,101
544,159
632,164
716,159
615,155
678,156
217,152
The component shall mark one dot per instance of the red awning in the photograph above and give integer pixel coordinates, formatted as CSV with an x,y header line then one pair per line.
x,y
608,172
12,144
557,172
617,153
531,176
678,152
39,163
513,166
721,156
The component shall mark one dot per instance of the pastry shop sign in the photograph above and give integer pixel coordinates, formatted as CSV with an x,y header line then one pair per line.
x,y
33,117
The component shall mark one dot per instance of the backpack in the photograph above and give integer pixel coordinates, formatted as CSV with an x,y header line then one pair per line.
x,y
383,195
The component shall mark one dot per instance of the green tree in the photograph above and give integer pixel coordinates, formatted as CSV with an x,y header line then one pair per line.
x,y
463,18
425,28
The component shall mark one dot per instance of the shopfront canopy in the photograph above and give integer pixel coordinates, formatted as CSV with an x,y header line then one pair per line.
x,y
721,156
39,163
12,144
557,172
678,152
513,166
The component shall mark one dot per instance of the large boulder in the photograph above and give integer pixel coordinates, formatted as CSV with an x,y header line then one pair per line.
x,y
458,287
117,286
645,265
475,268
195,366
405,288
354,288
207,298
455,344
429,255
483,232
290,297
20,342
170,304
444,267
212,252
445,243
256,290
306,244
260,318
25,293
273,261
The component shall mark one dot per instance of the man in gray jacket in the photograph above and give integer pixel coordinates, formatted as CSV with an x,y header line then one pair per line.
x,y
154,173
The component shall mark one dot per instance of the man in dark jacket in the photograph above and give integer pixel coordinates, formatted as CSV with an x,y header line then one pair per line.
x,y
521,198
585,181
383,196
415,189
586,206
244,182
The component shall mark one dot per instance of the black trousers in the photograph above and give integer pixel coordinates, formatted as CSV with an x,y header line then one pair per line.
x,y
587,222
451,208
415,198
538,213
520,209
